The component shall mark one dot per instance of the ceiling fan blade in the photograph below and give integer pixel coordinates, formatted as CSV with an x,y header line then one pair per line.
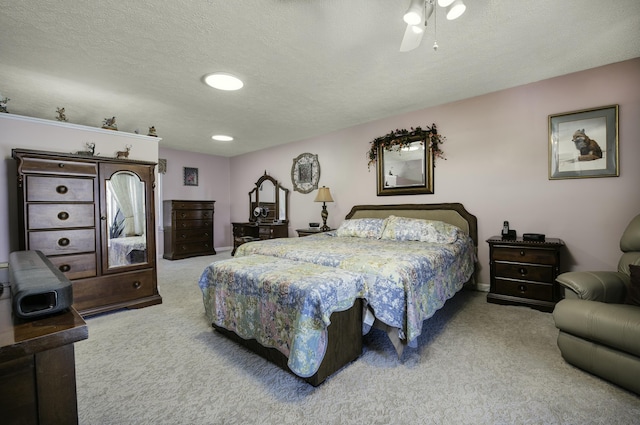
x,y
411,39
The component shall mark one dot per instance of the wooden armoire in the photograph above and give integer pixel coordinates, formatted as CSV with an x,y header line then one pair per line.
x,y
93,217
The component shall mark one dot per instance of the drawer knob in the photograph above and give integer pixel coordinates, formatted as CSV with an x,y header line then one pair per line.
x,y
137,284
63,241
61,165
206,234
522,253
522,288
183,215
64,268
205,215
62,189
523,271
184,224
63,215
183,236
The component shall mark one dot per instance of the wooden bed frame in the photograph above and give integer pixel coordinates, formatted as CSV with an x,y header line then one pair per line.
x,y
344,343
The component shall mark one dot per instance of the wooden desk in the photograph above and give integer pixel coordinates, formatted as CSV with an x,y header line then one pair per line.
x,y
37,365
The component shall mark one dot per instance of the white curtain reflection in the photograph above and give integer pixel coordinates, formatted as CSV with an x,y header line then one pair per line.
x,y
128,193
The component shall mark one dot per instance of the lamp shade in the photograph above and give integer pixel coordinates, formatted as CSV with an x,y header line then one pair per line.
x,y
323,195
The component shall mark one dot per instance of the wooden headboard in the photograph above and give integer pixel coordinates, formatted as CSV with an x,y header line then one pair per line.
x,y
453,213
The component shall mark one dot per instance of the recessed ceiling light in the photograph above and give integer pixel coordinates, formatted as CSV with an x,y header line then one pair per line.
x,y
222,81
222,138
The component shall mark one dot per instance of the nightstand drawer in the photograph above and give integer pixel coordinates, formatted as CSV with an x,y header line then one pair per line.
x,y
524,271
529,290
525,255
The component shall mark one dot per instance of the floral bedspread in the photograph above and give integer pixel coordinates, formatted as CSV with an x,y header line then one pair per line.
x,y
281,303
406,281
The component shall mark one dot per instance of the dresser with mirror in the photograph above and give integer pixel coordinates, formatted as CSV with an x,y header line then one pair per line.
x,y
93,217
268,213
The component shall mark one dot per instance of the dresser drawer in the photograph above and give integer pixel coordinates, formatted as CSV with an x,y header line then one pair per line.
x,y
193,247
525,255
58,166
529,290
88,293
524,271
48,216
193,224
193,235
59,189
75,266
193,214
57,242
177,205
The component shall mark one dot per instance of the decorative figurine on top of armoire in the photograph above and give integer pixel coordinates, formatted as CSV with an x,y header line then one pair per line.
x,y
110,124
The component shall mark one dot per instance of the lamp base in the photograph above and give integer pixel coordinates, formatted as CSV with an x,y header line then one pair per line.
x,y
324,214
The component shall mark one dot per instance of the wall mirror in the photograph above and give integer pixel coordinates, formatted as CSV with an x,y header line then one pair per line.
x,y
126,220
405,171
268,201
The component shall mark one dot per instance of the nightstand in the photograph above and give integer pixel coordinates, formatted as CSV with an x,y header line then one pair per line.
x,y
310,231
524,272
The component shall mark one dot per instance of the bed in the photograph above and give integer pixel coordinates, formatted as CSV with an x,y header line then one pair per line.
x,y
409,267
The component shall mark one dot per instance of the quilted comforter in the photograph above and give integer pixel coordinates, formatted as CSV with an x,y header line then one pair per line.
x,y
282,304
406,282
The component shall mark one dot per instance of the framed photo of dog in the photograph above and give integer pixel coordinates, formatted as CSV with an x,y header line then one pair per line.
x,y
584,143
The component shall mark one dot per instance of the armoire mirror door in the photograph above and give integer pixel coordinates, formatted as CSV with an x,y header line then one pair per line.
x,y
125,223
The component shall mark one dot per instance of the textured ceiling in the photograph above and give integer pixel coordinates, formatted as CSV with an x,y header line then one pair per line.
x,y
309,66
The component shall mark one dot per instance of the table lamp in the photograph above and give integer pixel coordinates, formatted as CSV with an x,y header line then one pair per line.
x,y
324,196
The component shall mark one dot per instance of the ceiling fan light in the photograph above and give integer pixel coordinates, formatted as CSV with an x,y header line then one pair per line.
x,y
445,3
455,10
223,81
418,29
413,16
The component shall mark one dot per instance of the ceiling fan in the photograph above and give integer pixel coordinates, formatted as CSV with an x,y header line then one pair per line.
x,y
417,17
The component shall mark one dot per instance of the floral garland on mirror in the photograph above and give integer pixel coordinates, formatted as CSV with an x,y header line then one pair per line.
x,y
398,139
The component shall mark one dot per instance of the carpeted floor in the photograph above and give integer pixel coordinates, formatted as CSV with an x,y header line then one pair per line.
x,y
476,363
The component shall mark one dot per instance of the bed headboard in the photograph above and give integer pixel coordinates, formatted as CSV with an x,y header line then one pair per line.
x,y
453,213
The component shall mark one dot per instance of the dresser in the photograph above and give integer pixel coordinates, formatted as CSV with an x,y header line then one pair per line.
x,y
188,228
37,364
253,231
524,272
93,217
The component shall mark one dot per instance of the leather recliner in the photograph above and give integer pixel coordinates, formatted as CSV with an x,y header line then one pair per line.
x,y
598,331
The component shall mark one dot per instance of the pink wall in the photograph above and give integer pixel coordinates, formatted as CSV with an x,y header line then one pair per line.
x,y
497,166
213,175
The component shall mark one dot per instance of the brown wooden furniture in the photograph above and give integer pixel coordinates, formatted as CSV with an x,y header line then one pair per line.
x,y
344,334
252,231
188,229
310,231
37,366
93,218
524,272
268,213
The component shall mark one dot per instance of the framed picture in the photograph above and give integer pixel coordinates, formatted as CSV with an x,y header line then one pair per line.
x,y
584,143
190,176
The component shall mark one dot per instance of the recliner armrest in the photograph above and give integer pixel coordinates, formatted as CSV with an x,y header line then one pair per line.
x,y
608,287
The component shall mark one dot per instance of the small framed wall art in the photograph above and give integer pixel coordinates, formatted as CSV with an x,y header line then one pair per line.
x,y
584,143
190,176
